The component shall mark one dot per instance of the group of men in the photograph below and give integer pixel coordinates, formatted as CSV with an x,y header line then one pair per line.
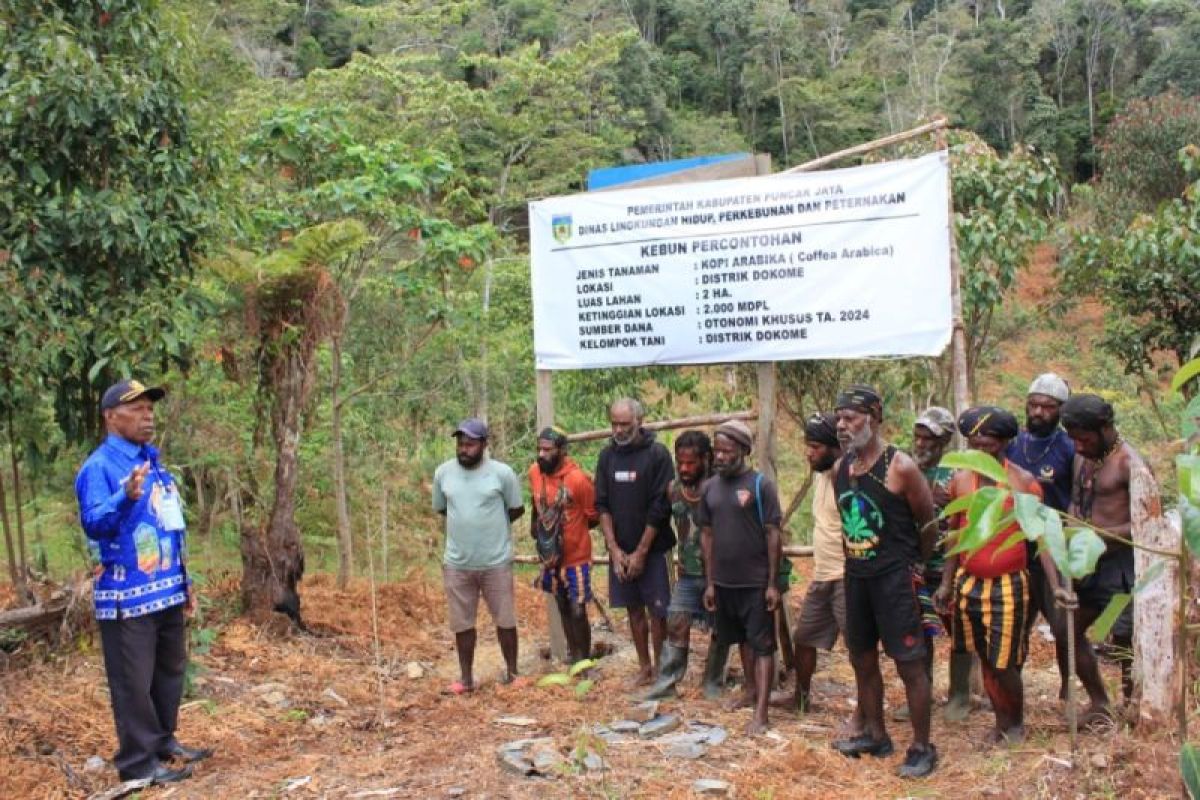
x,y
884,573
884,570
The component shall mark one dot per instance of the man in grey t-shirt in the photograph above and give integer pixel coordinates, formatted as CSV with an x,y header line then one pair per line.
x,y
479,497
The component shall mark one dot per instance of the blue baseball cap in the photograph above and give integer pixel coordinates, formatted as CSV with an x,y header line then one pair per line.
x,y
472,428
127,391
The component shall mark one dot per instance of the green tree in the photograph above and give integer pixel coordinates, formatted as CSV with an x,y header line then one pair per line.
x,y
102,190
1149,275
1002,206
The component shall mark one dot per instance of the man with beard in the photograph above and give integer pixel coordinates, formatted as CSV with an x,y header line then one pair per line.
x,y
1046,452
1100,496
932,433
740,516
823,615
479,497
632,476
989,596
693,466
887,524
564,508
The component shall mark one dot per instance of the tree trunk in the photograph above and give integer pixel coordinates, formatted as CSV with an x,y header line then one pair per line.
x,y
14,571
345,540
22,551
1157,668
273,559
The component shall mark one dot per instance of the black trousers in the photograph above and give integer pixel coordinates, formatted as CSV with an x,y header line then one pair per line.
x,y
144,658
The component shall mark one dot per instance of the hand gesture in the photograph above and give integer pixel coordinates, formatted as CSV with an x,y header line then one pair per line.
x,y
772,597
710,598
135,483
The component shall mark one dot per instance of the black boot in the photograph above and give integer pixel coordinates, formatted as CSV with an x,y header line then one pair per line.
x,y
714,670
671,667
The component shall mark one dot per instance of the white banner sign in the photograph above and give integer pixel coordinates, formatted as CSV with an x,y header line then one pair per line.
x,y
839,264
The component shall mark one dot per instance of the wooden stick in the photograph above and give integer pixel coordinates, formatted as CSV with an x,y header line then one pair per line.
x,y
669,424
936,125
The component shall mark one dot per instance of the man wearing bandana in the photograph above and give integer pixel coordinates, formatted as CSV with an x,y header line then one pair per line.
x,y
888,527
987,593
563,496
1100,496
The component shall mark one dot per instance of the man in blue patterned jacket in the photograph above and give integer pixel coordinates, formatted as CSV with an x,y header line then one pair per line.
x,y
130,509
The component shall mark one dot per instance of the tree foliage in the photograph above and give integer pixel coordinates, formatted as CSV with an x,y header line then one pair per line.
x,y
1149,275
102,190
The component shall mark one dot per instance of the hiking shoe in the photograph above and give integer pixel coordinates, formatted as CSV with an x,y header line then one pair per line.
x,y
855,746
919,762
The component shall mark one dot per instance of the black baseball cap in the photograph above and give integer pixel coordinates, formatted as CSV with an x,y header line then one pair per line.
x,y
127,391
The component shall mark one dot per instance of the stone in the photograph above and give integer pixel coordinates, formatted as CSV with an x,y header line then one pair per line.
x,y
456,791
414,671
526,744
593,762
686,750
663,723
547,760
515,761
645,711
276,698
519,722
625,726
265,688
320,721
711,787
1100,761
94,764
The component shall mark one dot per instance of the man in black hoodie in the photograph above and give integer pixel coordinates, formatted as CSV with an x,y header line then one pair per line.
x,y
632,475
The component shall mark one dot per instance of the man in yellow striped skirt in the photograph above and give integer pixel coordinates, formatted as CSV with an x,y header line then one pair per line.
x,y
987,592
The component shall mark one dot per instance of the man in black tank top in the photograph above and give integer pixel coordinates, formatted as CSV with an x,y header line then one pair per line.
x,y
888,528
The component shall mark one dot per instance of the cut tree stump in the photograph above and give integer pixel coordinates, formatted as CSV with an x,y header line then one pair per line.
x,y
1156,607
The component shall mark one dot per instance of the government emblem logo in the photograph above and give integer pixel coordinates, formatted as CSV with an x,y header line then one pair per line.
x,y
560,224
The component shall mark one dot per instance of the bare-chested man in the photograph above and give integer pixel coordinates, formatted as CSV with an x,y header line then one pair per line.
x,y
1100,496
887,524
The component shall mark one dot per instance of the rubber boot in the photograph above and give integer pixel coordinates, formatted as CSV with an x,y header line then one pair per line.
x,y
672,666
959,705
714,670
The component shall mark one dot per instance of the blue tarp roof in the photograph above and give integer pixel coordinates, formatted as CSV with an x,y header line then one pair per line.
x,y
614,176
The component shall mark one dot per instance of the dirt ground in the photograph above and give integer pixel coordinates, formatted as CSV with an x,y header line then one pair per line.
x,y
338,713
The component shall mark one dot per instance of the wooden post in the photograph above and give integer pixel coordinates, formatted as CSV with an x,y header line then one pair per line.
x,y
545,417
764,444
958,331
1157,667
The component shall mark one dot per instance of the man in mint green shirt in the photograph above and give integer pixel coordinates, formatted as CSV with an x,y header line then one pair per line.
x,y
479,497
